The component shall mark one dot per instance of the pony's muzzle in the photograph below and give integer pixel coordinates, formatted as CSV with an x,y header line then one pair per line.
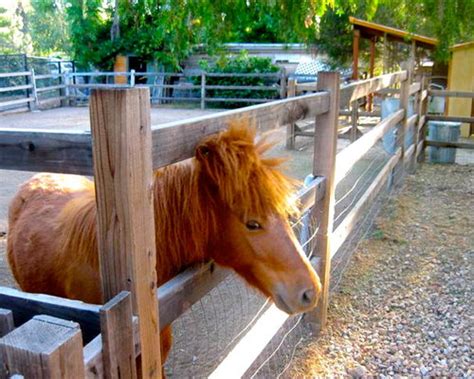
x,y
299,301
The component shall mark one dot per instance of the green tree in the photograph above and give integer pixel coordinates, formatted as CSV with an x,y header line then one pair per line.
x,y
6,37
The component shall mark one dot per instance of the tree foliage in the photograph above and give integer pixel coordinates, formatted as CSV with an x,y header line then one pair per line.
x,y
93,32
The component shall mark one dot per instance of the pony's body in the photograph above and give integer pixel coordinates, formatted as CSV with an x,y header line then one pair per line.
x,y
202,210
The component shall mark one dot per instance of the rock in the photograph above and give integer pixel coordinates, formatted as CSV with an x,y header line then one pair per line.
x,y
358,372
423,371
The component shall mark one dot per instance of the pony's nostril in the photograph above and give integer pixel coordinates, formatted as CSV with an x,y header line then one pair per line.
x,y
307,297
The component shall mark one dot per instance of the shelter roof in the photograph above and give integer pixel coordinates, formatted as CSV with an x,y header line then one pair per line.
x,y
465,45
371,29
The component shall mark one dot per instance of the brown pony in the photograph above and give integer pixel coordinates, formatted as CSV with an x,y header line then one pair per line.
x,y
228,203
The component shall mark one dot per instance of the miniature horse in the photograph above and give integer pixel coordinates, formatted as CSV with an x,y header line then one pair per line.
x,y
227,203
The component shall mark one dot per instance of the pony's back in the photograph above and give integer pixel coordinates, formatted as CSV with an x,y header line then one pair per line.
x,y
41,220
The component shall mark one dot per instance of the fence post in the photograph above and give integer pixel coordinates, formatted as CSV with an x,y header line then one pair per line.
x,y
283,83
290,129
44,347
121,131
324,164
423,111
354,120
416,130
402,129
203,90
34,93
118,347
132,78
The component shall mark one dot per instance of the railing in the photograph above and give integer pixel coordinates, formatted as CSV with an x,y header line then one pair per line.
x,y
71,152
75,87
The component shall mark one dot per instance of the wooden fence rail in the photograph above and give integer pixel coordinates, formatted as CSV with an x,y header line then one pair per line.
x,y
71,152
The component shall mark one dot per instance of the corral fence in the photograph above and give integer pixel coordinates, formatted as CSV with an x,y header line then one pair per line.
x,y
102,341
203,88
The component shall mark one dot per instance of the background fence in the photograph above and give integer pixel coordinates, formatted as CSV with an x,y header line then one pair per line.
x,y
220,325
39,90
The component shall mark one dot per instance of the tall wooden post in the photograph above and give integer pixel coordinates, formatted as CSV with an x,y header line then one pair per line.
x,y
324,164
402,129
355,54
290,129
373,40
282,83
120,120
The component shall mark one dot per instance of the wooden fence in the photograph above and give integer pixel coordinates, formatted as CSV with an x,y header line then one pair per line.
x,y
74,88
112,336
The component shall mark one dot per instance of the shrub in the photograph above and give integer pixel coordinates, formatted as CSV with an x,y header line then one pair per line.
x,y
241,63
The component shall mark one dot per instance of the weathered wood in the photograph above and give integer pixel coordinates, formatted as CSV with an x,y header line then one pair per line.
x,y
236,99
290,128
34,104
46,150
253,88
26,305
354,120
443,93
414,88
16,88
175,141
362,88
324,162
459,145
308,196
402,130
344,112
352,219
6,321
419,148
449,118
424,94
421,122
348,157
282,83
120,121
409,153
118,348
44,347
355,53
411,121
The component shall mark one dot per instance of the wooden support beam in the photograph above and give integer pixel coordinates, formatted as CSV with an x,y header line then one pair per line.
x,y
355,54
402,129
118,347
324,162
290,128
6,322
120,121
373,40
44,347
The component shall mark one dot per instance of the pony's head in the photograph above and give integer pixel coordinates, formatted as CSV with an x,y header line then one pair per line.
x,y
253,200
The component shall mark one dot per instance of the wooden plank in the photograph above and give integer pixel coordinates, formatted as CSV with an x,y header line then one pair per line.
x,y
26,305
449,118
362,88
16,101
44,347
424,94
352,219
324,164
459,145
411,121
409,153
348,157
118,349
252,88
291,127
6,321
14,74
402,130
16,88
120,121
344,112
355,53
421,122
175,141
414,87
203,90
419,148
354,120
442,93
46,150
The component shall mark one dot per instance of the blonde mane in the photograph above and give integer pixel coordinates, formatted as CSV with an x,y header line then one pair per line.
x,y
228,172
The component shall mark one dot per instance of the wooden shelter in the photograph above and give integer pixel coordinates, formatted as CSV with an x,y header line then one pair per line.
x,y
461,78
373,32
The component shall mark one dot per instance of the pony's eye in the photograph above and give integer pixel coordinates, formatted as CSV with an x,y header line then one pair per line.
x,y
253,225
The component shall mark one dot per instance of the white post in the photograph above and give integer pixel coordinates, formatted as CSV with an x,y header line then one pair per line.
x,y
132,78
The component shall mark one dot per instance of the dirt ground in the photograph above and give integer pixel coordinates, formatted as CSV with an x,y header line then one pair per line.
x,y
405,306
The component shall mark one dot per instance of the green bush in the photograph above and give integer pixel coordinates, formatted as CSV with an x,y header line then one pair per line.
x,y
244,64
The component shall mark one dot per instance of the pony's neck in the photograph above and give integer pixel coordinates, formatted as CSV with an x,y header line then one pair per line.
x,y
185,216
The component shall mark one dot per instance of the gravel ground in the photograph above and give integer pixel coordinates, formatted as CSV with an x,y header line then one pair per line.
x,y
405,306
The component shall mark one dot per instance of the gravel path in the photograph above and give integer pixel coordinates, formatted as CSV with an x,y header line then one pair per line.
x,y
405,306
